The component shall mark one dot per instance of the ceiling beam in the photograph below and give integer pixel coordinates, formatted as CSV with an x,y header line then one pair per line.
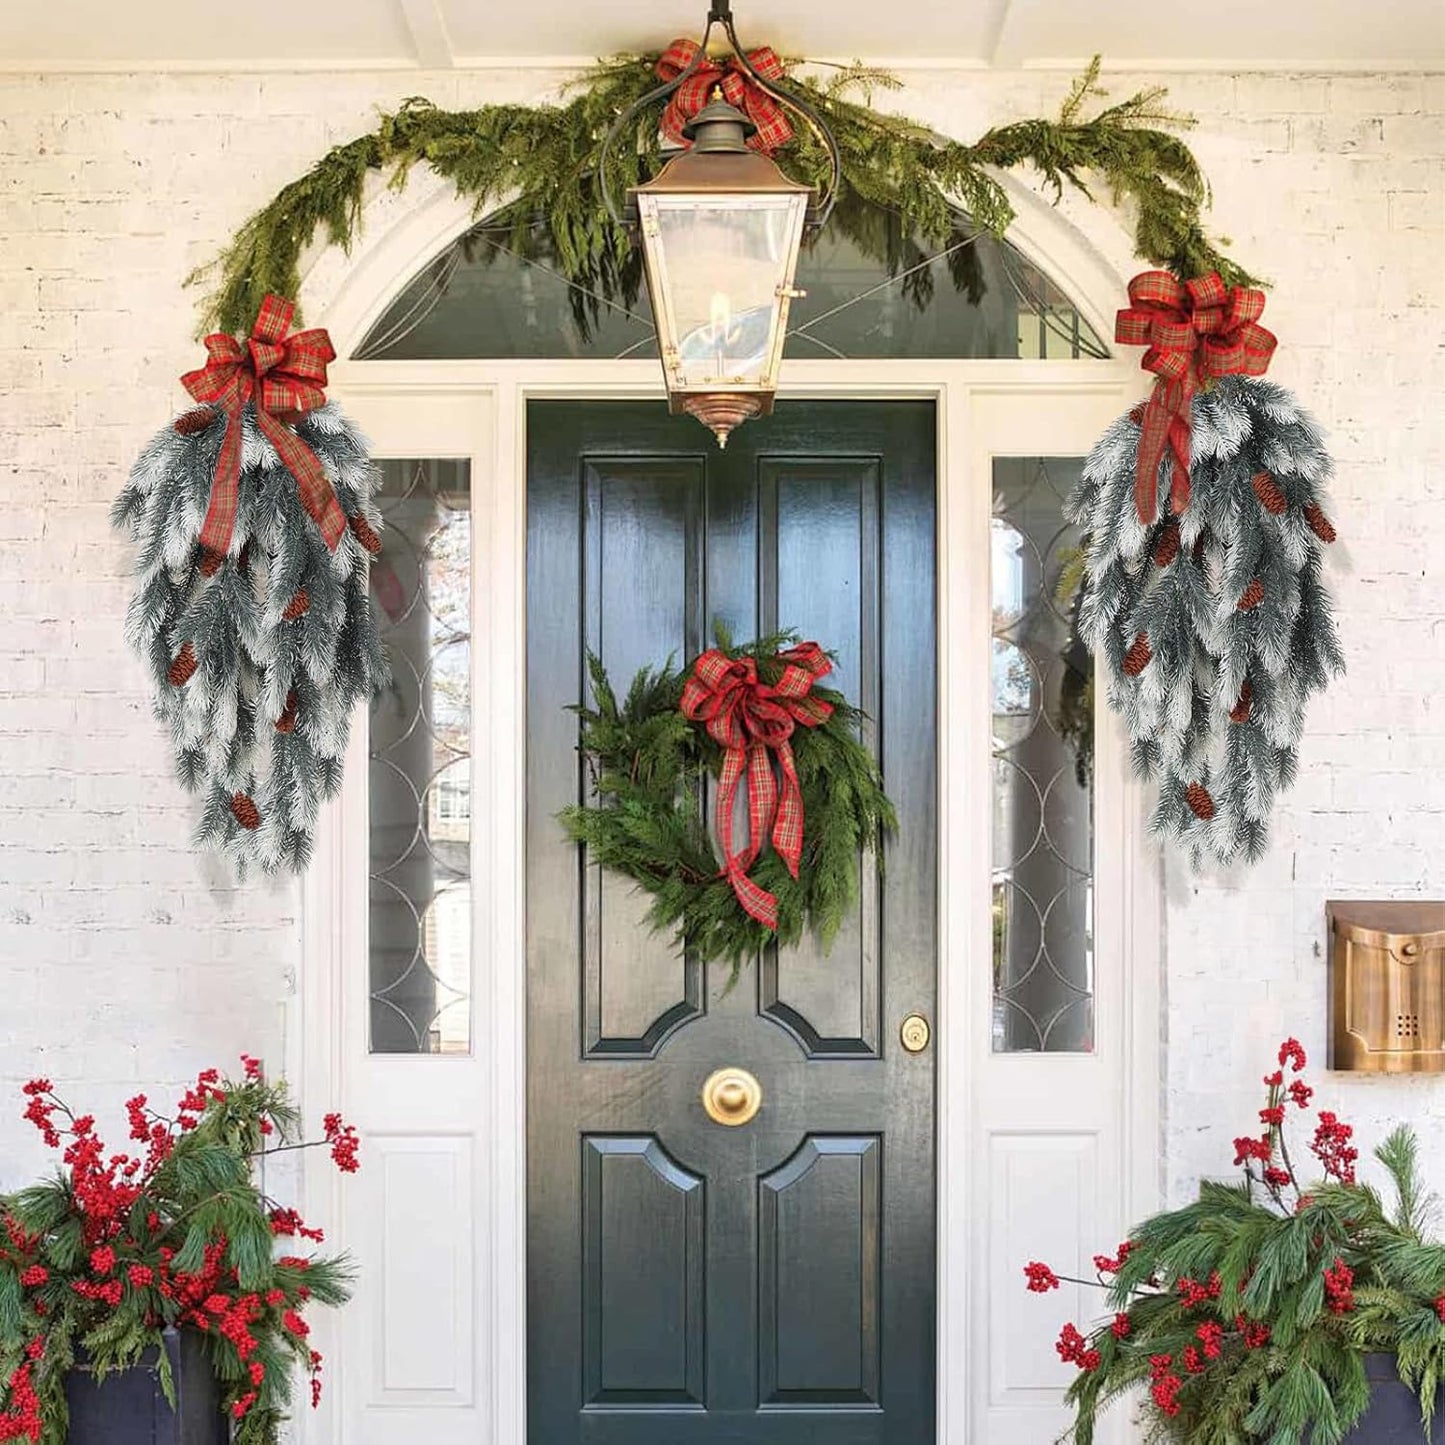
x,y
428,33
1001,46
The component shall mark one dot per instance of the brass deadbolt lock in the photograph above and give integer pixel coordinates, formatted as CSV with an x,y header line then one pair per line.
x,y
915,1033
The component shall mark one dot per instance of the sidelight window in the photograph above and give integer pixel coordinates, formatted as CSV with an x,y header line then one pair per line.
x,y
1043,767
421,766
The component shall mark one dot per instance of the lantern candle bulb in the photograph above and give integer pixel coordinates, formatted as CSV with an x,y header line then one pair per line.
x,y
721,316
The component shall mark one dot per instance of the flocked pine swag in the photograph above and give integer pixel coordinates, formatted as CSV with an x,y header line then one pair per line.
x,y
257,656
1213,624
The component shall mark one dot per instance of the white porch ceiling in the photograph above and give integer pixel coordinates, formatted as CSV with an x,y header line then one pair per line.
x,y
415,34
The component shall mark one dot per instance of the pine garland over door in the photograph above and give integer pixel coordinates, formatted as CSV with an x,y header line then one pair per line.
x,y
540,162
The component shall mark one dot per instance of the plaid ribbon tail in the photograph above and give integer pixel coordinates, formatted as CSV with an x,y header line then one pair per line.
x,y
312,483
757,902
220,523
788,823
762,802
1162,431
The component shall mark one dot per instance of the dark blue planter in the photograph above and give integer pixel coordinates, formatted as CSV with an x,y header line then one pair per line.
x,y
130,1408
1394,1414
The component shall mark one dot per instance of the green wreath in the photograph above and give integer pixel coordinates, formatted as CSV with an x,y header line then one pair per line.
x,y
648,762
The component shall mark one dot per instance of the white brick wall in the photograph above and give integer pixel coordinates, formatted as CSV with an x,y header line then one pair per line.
x,y
128,959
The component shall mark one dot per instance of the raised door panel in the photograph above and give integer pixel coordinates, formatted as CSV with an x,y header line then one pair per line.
x,y
819,1261
821,524
419,1213
642,569
643,1266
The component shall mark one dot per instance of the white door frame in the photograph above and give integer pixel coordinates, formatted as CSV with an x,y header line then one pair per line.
x,y
477,409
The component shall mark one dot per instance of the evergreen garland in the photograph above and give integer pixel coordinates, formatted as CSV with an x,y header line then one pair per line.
x,y
1246,1315
258,657
1214,626
541,161
647,764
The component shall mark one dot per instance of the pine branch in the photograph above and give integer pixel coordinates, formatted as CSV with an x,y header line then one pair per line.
x,y
536,168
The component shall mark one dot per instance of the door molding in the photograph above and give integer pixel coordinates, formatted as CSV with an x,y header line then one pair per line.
x,y
477,409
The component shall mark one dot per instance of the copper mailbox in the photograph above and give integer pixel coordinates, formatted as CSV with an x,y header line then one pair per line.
x,y
1387,977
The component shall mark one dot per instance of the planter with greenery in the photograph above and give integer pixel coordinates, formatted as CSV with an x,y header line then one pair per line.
x,y
1272,1311
126,1262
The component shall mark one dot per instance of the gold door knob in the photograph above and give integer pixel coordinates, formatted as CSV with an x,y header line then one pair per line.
x,y
731,1096
915,1033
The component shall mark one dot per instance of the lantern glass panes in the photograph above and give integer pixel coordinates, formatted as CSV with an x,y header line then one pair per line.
x,y
720,269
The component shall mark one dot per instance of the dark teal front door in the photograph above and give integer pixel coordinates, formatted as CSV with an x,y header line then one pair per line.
x,y
690,1283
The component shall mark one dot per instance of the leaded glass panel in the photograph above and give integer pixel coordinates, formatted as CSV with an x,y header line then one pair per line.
x,y
1043,755
421,766
871,292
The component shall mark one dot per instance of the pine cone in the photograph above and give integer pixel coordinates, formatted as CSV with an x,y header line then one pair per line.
x,y
1200,803
193,421
298,606
364,533
1253,596
1320,524
210,562
247,814
1166,549
1138,656
180,672
1240,713
1270,493
286,723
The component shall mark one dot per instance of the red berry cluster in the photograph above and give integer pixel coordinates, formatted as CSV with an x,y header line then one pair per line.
x,y
1332,1147
1166,1383
21,1420
1041,1278
1107,1265
1074,1349
1339,1288
344,1143
289,1223
1192,1294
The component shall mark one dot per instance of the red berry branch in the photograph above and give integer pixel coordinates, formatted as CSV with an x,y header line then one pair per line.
x,y
1255,1255
167,1240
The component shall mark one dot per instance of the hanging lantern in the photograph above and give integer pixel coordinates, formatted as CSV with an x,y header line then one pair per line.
x,y
720,228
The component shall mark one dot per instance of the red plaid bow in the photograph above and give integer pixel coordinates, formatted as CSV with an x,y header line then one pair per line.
x,y
747,718
279,373
738,87
1194,331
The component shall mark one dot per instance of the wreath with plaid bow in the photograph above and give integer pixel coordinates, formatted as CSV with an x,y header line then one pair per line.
x,y
669,764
